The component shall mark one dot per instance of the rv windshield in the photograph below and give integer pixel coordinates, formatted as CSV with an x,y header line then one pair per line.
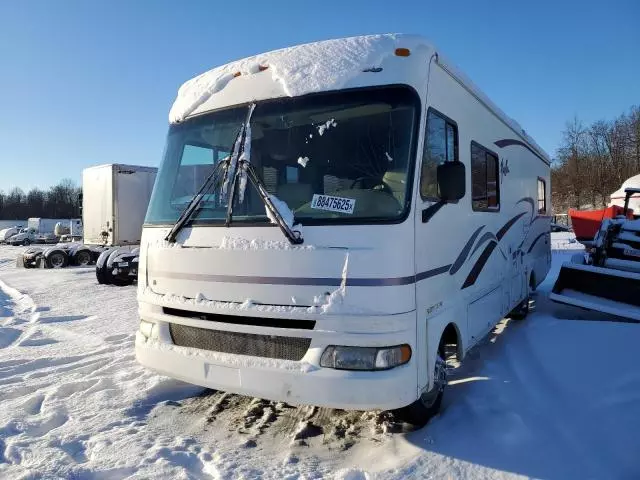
x,y
333,157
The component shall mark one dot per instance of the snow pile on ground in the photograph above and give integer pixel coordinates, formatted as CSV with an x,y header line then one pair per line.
x,y
553,396
565,241
302,69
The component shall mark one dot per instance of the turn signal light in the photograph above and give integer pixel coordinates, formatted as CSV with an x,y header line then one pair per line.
x,y
403,52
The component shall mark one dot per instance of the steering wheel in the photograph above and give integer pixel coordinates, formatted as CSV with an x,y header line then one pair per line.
x,y
372,184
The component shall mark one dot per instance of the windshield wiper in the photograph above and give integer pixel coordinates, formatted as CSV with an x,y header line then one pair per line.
x,y
294,236
195,202
231,177
243,166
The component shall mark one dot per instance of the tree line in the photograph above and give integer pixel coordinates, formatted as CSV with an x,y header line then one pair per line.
x,y
593,161
59,201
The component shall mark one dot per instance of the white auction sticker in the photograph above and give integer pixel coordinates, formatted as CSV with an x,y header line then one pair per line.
x,y
333,204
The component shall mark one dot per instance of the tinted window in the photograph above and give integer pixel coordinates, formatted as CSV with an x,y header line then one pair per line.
x,y
542,196
440,145
485,179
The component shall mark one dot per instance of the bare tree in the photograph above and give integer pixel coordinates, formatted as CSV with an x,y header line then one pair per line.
x,y
593,161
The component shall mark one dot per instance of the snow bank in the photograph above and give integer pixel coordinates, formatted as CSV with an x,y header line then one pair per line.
x,y
301,69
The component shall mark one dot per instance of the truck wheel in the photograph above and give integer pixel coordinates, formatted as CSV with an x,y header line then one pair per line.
x,y
57,259
101,274
26,242
82,258
428,405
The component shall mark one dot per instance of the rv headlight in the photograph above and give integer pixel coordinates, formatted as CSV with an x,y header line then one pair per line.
x,y
365,358
147,328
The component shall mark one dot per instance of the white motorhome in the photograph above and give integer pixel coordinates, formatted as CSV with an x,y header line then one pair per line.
x,y
330,219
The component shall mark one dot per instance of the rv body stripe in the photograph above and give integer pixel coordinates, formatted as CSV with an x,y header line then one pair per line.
x,y
536,241
479,265
465,252
507,142
304,281
503,231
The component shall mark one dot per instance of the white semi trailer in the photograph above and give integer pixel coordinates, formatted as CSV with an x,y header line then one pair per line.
x,y
114,203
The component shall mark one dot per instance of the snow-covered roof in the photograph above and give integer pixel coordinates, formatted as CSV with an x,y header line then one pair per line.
x,y
617,197
632,182
324,66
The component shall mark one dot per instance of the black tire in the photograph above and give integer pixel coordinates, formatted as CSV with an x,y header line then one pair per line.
x,y
118,281
82,258
26,242
101,275
521,311
428,405
57,259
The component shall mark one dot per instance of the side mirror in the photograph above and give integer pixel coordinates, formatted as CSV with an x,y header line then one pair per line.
x,y
451,181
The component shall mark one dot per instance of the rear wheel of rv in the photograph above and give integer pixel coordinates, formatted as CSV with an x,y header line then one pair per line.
x,y
428,405
57,259
82,258
521,311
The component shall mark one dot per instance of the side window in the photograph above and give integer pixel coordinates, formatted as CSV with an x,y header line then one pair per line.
x,y
542,196
440,145
485,179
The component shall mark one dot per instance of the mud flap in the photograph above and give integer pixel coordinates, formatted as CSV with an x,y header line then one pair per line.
x,y
604,290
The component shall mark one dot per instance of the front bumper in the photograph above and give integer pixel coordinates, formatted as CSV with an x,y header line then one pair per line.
x,y
296,383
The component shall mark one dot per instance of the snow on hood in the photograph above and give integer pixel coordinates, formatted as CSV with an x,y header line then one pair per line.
x,y
302,69
240,243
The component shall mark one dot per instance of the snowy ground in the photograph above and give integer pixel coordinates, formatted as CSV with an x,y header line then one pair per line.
x,y
555,396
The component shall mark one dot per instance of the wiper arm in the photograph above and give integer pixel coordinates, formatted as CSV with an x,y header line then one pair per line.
x,y
241,166
294,236
197,198
194,203
231,178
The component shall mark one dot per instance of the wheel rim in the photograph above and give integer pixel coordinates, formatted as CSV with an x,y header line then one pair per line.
x,y
83,258
56,260
439,382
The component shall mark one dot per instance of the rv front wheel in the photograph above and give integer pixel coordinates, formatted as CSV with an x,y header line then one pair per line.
x,y
428,405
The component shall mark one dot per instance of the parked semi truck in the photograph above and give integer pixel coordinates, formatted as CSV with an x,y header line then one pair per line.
x,y
114,203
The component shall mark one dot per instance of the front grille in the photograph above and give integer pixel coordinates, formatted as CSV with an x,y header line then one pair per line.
x,y
242,320
267,346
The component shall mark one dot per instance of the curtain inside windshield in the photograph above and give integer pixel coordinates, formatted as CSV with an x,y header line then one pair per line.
x,y
330,157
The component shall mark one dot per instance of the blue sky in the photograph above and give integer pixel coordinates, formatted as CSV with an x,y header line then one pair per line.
x,y
84,83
